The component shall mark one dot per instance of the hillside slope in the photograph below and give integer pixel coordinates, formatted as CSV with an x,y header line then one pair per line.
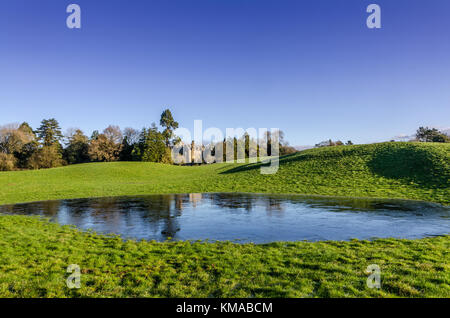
x,y
387,170
390,170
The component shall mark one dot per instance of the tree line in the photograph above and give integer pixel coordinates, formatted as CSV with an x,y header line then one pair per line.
x,y
245,147
21,147
423,134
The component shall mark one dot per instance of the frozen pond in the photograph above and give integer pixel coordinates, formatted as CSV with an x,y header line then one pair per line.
x,y
245,217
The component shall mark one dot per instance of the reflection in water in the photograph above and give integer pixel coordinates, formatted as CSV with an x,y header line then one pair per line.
x,y
245,217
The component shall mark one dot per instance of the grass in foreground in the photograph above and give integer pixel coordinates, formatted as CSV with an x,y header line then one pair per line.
x,y
35,253
419,171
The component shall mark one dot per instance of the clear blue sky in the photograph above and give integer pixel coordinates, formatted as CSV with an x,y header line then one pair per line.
x,y
311,68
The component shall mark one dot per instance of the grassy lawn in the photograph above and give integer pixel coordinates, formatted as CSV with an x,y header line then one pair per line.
x,y
386,170
34,253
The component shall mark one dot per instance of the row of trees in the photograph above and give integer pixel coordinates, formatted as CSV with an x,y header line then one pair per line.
x,y
21,147
331,143
423,134
245,147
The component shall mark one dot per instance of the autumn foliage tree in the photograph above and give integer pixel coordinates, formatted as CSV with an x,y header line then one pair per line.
x,y
46,157
14,141
106,146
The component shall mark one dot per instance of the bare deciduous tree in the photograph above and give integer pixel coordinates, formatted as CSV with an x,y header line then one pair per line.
x,y
104,149
113,134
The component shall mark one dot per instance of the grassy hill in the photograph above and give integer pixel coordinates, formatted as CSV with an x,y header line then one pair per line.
x,y
418,171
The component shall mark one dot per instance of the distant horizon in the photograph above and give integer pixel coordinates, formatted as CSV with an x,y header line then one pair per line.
x,y
310,68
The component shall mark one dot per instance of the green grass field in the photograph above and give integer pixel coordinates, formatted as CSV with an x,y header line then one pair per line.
x,y
386,170
35,253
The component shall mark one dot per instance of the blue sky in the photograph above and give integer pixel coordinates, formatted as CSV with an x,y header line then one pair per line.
x,y
311,68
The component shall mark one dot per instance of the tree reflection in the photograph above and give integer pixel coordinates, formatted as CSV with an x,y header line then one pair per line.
x,y
161,216
233,201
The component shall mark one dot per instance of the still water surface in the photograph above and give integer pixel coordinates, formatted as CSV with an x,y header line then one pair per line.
x,y
245,217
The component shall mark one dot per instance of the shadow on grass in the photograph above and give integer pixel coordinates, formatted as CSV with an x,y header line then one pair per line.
x,y
411,164
252,166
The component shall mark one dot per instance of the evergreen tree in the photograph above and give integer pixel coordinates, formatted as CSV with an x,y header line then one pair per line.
x,y
169,125
77,148
49,133
151,146
426,134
